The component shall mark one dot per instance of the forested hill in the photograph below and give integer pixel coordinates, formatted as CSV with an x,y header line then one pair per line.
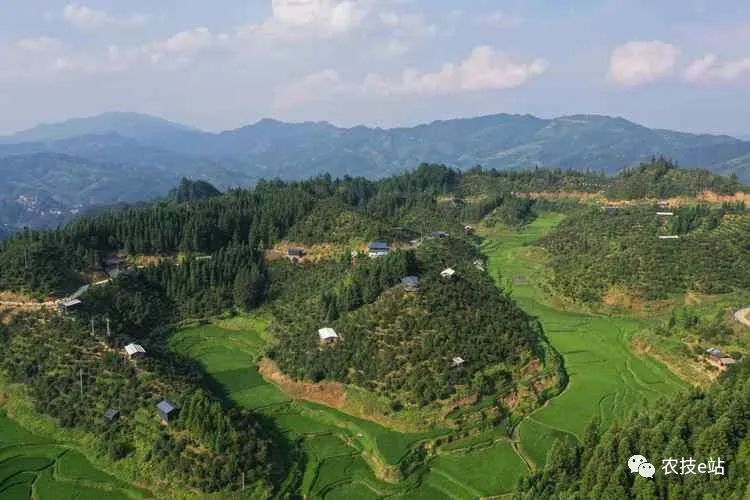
x,y
106,159
702,425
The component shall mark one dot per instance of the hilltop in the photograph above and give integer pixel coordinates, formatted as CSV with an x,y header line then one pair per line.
x,y
129,147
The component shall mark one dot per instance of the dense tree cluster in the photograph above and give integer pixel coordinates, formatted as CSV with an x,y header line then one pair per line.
x,y
401,344
596,250
701,425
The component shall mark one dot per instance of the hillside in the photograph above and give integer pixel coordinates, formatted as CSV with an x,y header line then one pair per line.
x,y
702,425
132,145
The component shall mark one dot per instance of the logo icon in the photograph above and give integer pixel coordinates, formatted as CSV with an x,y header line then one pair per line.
x,y
639,464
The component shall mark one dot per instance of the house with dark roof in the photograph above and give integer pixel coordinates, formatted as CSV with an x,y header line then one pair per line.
x,y
295,252
438,235
112,414
410,283
378,249
168,411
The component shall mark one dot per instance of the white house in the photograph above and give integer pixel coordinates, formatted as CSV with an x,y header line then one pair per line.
x,y
134,350
327,335
448,273
458,361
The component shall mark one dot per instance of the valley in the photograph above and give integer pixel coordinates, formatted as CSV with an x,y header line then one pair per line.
x,y
607,380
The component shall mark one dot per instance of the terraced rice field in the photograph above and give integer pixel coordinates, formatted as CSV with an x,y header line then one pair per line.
x,y
607,379
34,468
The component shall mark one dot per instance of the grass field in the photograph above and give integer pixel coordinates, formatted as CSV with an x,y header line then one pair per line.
x,y
606,378
35,468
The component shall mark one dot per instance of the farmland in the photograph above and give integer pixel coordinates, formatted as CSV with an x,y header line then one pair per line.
x,y
342,452
35,467
606,379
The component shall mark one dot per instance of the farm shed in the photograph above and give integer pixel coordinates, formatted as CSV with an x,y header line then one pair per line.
x,y
134,350
327,335
468,229
665,214
458,361
439,235
669,237
168,411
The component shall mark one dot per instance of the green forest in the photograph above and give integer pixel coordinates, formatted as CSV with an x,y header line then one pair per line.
x,y
200,255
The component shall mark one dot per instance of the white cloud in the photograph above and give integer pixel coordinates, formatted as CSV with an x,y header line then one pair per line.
x,y
484,69
40,45
709,68
326,83
87,18
640,62
302,19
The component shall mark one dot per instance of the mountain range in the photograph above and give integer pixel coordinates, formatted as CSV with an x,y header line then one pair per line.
x,y
52,171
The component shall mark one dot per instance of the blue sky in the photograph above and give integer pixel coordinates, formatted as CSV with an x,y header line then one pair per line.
x,y
221,64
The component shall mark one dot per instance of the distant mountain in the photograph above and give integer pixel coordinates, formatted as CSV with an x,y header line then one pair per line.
x,y
131,157
131,125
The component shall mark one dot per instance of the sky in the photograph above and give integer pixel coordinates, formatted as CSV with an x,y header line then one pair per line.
x,y
679,64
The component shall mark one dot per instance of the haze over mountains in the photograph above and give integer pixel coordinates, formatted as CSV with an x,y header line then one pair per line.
x,y
52,171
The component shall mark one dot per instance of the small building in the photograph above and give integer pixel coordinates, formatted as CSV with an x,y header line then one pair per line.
x,y
468,229
295,252
68,304
458,362
662,204
448,273
479,264
134,350
168,411
669,237
328,336
611,209
438,235
410,283
112,414
204,257
714,352
378,249
665,214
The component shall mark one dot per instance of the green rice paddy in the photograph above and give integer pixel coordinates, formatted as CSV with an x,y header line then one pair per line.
x,y
606,381
35,468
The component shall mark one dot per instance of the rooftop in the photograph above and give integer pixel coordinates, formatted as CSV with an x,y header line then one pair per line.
x,y
327,333
132,349
448,273
166,406
379,245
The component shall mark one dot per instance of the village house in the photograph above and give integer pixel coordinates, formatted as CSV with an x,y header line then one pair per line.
x,y
410,283
295,253
328,336
468,229
669,237
479,265
68,304
458,362
665,214
378,249
438,235
112,414
134,350
448,273
720,361
168,411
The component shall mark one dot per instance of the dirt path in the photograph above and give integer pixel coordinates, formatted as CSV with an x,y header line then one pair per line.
x,y
743,316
